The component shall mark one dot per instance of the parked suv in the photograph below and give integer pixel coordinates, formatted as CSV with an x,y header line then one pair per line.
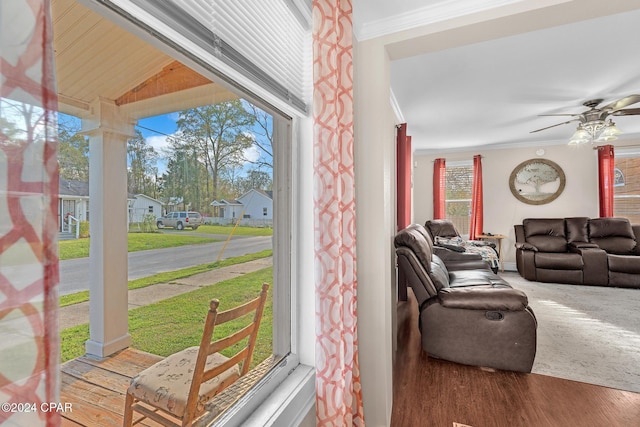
x,y
180,220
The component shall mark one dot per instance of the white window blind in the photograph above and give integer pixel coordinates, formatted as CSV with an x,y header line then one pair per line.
x,y
264,40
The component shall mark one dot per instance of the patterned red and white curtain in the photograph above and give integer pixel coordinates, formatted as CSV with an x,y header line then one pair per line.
x,y
477,207
338,389
606,164
439,189
29,348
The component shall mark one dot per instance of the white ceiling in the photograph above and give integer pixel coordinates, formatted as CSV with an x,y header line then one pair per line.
x,y
491,92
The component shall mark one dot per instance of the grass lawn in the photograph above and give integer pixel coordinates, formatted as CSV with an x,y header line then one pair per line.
x,y
169,276
239,231
79,248
176,323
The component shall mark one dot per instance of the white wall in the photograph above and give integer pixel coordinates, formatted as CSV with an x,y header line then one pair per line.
x,y
375,227
501,209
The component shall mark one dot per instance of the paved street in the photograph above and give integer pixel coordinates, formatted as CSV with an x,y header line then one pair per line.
x,y
74,273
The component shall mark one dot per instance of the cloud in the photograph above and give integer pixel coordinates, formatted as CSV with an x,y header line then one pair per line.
x,y
252,154
158,142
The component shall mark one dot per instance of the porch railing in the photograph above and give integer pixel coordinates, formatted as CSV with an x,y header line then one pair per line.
x,y
72,221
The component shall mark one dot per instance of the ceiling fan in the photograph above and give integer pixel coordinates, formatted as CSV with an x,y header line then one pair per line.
x,y
595,123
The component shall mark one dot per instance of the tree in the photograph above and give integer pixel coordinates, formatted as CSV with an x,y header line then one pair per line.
x,y
220,134
186,174
255,179
141,159
73,150
263,137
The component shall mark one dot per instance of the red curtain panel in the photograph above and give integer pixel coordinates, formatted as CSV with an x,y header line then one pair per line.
x,y
477,209
606,160
403,176
439,189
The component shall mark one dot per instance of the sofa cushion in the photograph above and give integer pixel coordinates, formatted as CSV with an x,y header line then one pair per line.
x,y
412,238
624,264
577,229
441,227
546,234
614,235
462,278
566,261
439,274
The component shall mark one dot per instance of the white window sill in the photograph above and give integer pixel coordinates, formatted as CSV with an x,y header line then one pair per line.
x,y
287,404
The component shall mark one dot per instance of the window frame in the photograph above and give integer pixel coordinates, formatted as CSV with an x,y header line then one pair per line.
x,y
625,153
452,165
286,395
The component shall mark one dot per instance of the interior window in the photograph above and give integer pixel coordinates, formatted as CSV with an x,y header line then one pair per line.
x,y
626,199
459,184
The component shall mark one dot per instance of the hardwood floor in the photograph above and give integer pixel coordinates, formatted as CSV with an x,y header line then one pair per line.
x,y
431,392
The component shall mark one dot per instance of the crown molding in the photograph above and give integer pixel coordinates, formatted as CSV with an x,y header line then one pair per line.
x,y
431,14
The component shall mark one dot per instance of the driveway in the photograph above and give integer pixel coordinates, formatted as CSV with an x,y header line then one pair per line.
x,y
74,273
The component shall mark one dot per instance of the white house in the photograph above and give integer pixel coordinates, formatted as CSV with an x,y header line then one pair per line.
x,y
141,205
73,200
252,205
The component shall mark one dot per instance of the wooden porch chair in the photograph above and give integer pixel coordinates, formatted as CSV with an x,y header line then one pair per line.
x,y
180,385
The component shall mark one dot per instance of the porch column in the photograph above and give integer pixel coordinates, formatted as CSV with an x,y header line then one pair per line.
x,y
108,132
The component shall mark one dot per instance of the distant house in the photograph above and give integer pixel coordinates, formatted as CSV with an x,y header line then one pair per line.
x,y
254,204
141,205
73,201
176,204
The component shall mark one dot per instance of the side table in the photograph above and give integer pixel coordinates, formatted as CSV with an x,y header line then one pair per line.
x,y
498,238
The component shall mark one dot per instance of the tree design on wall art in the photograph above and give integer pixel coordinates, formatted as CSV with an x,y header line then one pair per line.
x,y
537,181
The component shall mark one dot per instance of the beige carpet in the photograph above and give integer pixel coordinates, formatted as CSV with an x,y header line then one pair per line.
x,y
586,333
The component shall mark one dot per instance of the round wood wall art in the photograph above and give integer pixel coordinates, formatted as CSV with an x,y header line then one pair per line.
x,y
537,181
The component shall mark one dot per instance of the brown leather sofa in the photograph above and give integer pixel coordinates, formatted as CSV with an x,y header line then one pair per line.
x,y
580,250
469,316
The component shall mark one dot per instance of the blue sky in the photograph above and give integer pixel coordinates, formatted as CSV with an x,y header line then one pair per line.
x,y
155,131
162,126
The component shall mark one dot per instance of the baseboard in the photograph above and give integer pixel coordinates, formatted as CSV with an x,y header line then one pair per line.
x,y
510,266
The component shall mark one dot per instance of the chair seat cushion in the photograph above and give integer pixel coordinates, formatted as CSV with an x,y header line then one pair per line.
x,y
166,384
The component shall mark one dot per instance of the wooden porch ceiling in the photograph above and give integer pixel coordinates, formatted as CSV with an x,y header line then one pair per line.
x,y
173,78
96,58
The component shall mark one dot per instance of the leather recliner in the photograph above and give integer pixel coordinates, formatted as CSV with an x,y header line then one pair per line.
x,y
468,316
581,251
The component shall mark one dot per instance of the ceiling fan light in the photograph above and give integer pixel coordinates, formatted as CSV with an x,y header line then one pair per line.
x,y
610,133
580,136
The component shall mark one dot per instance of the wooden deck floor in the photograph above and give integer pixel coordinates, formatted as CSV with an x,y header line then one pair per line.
x,y
431,392
96,388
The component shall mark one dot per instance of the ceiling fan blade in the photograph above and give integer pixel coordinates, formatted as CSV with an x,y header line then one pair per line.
x,y
550,115
621,103
627,112
552,126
